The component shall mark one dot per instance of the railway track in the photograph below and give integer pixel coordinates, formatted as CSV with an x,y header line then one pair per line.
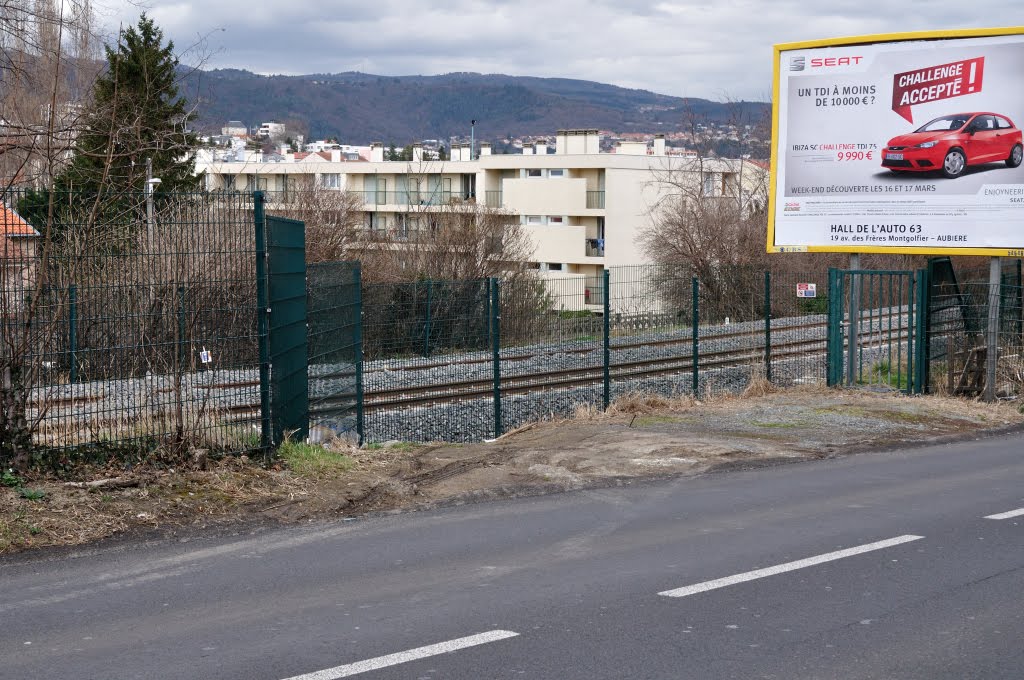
x,y
430,395
512,383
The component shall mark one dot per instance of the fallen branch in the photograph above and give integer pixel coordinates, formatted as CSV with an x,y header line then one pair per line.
x,y
108,483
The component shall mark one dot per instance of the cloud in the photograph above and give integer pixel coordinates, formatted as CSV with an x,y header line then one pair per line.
x,y
677,47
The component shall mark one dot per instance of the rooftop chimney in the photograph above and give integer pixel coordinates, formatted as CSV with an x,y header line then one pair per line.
x,y
377,152
417,152
485,148
659,145
541,147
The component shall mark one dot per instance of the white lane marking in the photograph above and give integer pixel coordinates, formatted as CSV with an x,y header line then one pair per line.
x,y
404,657
788,566
1007,515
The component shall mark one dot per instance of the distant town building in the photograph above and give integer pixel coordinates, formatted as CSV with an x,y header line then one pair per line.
x,y
272,130
583,209
235,128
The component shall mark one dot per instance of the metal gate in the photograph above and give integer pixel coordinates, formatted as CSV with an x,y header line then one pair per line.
x,y
874,329
334,305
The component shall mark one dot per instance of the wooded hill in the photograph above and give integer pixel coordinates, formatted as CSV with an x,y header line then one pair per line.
x,y
358,108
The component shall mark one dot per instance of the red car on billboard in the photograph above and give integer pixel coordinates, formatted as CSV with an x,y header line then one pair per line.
x,y
951,143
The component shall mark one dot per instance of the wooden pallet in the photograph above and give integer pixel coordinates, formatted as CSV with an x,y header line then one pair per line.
x,y
972,379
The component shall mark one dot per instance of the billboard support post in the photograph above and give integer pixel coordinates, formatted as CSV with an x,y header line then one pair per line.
x,y
995,276
853,343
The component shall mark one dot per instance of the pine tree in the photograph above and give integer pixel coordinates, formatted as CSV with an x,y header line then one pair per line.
x,y
137,113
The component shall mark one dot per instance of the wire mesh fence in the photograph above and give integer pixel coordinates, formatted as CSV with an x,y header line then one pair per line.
x,y
127,324
335,349
424,342
469,361
551,349
143,327
958,329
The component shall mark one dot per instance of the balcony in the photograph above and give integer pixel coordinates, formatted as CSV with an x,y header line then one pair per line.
x,y
595,247
412,198
595,200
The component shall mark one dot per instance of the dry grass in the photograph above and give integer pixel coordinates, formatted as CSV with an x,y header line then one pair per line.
x,y
640,404
759,385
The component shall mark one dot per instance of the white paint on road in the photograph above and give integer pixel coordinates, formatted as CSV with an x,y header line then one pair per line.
x,y
405,657
1007,515
788,566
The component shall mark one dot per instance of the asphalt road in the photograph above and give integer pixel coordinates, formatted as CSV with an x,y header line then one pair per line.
x,y
873,566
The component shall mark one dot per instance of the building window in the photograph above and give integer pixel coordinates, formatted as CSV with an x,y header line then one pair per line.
x,y
556,173
534,219
534,172
556,219
708,184
255,183
330,180
554,266
402,225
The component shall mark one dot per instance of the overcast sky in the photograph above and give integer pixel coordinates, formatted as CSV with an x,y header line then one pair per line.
x,y
691,48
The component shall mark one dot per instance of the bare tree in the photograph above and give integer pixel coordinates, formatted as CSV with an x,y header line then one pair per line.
x,y
47,52
334,220
453,242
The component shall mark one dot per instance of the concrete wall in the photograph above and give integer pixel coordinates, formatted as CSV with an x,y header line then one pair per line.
x,y
542,196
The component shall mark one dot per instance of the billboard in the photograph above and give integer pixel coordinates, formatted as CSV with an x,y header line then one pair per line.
x,y
907,143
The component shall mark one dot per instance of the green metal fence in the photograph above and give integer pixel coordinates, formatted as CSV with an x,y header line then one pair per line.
x,y
424,341
134,328
168,323
875,322
957,342
469,361
335,350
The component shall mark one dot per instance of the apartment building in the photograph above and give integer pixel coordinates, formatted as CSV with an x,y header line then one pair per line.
x,y
583,209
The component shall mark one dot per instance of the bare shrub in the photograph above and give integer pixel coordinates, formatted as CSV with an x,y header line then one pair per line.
x,y
333,219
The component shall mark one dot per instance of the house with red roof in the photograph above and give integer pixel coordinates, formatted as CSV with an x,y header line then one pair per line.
x,y
19,237
18,243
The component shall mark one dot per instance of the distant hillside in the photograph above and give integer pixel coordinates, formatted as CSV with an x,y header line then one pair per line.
x,y
360,108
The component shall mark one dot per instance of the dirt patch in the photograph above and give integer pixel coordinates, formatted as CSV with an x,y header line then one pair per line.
x,y
639,437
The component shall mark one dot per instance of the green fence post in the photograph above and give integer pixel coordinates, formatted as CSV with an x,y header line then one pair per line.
x,y
426,326
834,342
262,308
694,353
607,341
181,328
920,357
496,353
487,314
357,276
768,325
73,331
